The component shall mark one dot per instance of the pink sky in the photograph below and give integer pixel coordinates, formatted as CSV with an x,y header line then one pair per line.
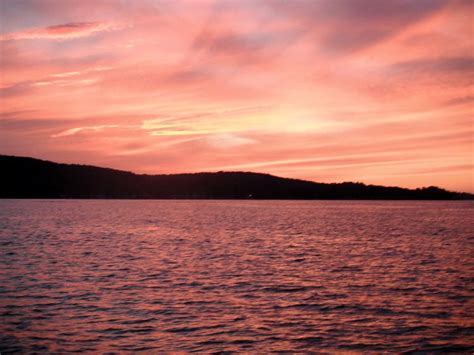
x,y
326,90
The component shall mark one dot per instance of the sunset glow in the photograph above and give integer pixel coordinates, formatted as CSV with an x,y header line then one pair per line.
x,y
339,90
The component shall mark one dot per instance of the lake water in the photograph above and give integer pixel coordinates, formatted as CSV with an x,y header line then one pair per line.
x,y
254,276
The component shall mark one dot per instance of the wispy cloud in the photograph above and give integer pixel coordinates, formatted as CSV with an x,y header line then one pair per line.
x,y
228,140
73,131
463,65
328,90
67,74
60,32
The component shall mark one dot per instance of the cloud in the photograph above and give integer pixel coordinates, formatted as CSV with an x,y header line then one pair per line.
x,y
18,89
237,48
228,140
66,74
187,76
462,100
436,65
319,89
60,32
29,125
349,25
73,131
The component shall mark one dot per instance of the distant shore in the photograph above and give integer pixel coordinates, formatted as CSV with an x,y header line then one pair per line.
x,y
26,178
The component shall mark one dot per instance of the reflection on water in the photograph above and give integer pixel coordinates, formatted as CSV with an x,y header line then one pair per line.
x,y
236,276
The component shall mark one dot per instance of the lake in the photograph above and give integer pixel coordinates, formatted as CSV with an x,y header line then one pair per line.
x,y
245,276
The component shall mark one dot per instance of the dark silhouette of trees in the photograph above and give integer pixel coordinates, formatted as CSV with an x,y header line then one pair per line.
x,y
32,178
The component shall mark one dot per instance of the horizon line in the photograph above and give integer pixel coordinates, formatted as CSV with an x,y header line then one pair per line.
x,y
233,171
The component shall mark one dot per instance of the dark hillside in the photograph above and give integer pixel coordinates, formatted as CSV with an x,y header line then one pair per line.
x,y
33,178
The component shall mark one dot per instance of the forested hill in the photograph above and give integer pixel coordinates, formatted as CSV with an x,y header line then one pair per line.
x,y
33,178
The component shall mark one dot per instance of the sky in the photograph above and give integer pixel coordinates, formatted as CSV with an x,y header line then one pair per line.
x,y
372,91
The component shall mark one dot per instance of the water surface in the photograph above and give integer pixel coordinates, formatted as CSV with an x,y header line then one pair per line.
x,y
254,276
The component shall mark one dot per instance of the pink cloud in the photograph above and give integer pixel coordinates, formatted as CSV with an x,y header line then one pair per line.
x,y
60,32
328,90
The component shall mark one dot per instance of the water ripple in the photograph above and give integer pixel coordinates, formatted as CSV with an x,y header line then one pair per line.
x,y
236,276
